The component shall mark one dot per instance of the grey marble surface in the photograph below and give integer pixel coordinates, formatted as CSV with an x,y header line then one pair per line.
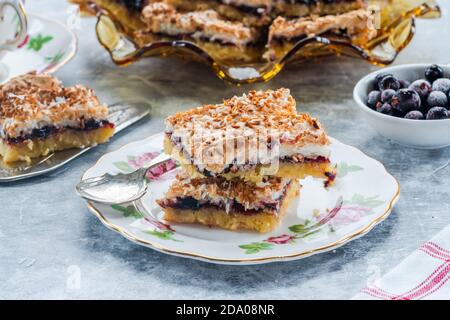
x,y
48,236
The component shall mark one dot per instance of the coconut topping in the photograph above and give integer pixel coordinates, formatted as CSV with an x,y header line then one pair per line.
x,y
162,18
33,101
256,128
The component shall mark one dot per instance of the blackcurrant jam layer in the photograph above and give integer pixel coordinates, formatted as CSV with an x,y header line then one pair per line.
x,y
45,132
331,177
190,203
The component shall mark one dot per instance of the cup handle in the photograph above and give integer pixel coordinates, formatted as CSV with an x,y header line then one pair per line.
x,y
22,30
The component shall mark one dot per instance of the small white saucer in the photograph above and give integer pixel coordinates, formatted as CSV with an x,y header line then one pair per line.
x,y
48,46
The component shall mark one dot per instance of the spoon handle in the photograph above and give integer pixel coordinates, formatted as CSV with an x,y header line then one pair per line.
x,y
86,187
156,161
107,177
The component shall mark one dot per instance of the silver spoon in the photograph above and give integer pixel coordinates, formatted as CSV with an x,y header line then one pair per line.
x,y
119,188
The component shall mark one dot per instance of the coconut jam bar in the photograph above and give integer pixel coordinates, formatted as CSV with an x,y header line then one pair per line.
x,y
229,204
357,25
228,40
249,137
38,115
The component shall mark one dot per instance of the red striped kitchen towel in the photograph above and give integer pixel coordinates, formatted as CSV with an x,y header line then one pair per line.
x,y
422,275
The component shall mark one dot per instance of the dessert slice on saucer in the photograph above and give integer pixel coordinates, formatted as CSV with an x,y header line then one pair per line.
x,y
38,115
229,204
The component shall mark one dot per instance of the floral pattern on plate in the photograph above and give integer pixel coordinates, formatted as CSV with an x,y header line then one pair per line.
x,y
323,219
136,162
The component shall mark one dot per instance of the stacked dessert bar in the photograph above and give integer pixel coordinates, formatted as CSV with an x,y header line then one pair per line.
x,y
242,160
243,30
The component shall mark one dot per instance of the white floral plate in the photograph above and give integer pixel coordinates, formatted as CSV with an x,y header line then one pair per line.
x,y
322,220
48,46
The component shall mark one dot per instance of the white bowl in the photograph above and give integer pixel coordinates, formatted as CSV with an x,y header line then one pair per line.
x,y
422,134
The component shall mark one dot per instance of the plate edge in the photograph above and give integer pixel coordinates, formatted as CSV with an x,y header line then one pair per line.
x,y
72,54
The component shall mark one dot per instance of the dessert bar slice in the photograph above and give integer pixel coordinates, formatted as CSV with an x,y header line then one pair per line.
x,y
223,39
357,26
229,204
38,115
248,137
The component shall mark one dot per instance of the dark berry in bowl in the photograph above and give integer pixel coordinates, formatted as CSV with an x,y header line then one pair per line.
x,y
424,108
442,84
398,113
437,113
386,95
386,108
437,99
414,115
433,73
406,100
378,78
373,98
404,83
422,87
389,82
